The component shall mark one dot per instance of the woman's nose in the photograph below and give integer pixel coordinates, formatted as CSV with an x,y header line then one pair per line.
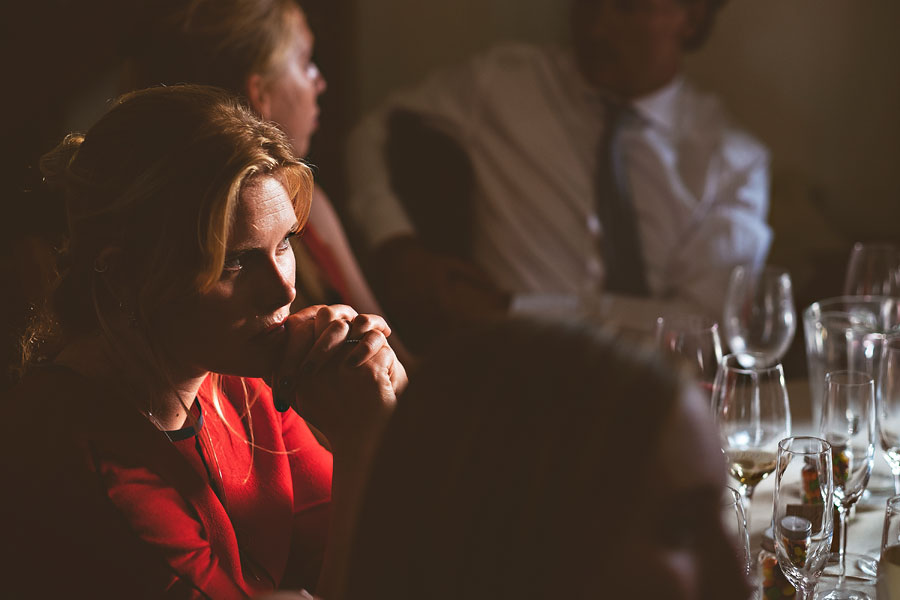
x,y
321,84
279,289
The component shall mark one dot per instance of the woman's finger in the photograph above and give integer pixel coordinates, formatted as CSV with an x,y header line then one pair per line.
x,y
326,315
325,347
367,322
365,347
397,373
301,336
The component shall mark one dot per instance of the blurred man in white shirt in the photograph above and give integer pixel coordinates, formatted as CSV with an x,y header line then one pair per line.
x,y
531,119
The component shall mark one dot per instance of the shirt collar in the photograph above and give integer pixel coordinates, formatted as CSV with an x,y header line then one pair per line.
x,y
660,107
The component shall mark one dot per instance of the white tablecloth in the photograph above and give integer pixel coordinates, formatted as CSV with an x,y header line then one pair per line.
x,y
864,527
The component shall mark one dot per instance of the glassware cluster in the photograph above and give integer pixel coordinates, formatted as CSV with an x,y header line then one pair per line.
x,y
853,354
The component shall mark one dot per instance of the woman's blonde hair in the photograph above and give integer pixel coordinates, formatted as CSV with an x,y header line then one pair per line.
x,y
150,193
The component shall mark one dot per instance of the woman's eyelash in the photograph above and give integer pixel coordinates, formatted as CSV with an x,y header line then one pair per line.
x,y
234,263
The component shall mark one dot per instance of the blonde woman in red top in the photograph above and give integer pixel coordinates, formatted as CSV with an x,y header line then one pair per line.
x,y
154,448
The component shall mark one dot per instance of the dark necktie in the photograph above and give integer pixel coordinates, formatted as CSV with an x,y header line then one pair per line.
x,y
620,243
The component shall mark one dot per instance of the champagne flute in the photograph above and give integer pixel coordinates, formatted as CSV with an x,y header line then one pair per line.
x,y
751,409
760,319
888,403
873,270
695,340
736,524
848,424
802,516
889,564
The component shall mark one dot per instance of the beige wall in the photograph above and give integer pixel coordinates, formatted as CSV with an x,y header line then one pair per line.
x,y
819,82
816,80
401,40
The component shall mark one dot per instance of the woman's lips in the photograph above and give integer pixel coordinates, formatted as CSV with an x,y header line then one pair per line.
x,y
273,330
274,327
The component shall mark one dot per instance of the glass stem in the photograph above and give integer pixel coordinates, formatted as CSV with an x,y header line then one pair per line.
x,y
803,593
842,552
896,474
747,496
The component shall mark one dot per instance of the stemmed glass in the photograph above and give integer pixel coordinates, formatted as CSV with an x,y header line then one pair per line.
x,y
802,517
848,424
760,319
695,340
873,270
736,524
751,408
889,564
888,403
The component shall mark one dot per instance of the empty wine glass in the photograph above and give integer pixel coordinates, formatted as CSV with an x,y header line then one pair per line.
x,y
873,270
802,517
736,524
751,408
888,403
889,564
695,340
848,424
760,319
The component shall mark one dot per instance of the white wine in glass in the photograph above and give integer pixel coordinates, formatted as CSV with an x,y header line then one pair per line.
x,y
889,564
888,406
751,409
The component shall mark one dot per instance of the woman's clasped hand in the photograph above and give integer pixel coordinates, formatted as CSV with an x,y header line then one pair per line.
x,y
338,371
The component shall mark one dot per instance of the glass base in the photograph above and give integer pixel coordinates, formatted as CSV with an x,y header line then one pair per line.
x,y
844,594
868,562
857,584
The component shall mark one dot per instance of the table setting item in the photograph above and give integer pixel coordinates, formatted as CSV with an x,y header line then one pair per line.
x,y
846,333
863,582
735,521
694,340
752,412
888,406
759,319
848,424
802,516
889,563
873,270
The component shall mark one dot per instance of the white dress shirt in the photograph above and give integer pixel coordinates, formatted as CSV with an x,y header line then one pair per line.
x,y
532,125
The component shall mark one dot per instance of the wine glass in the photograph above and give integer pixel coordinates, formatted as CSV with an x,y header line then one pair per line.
x,y
695,340
802,516
873,270
888,403
760,319
889,564
848,424
750,407
736,523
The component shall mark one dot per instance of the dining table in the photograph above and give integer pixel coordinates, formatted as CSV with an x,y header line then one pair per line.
x,y
866,520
